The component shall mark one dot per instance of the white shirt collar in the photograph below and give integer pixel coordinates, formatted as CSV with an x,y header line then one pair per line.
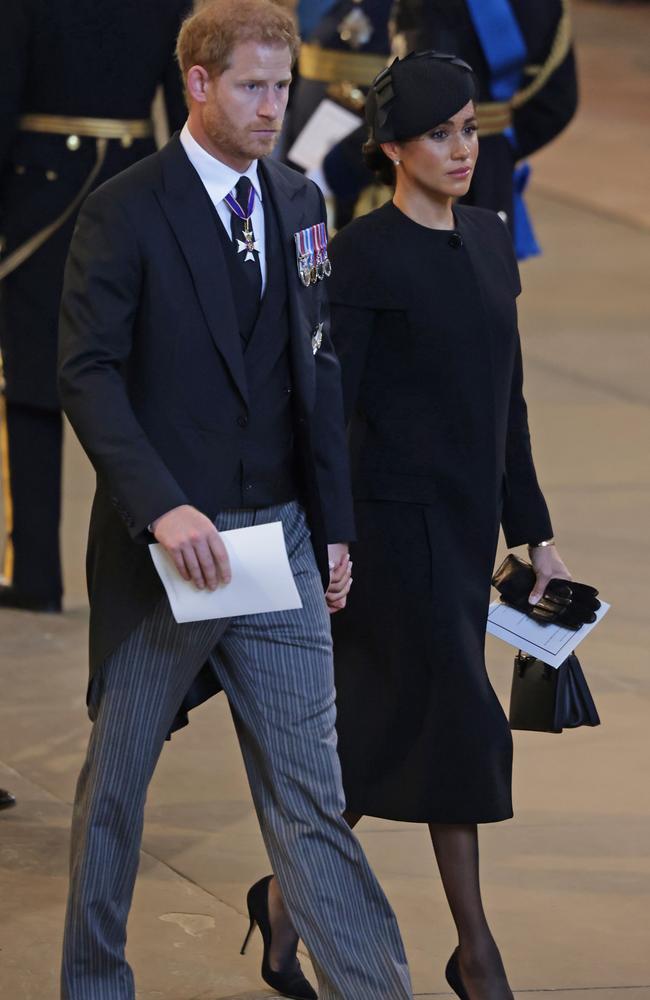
x,y
217,177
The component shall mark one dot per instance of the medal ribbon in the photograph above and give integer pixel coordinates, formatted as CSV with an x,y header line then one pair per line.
x,y
311,250
235,207
326,263
318,240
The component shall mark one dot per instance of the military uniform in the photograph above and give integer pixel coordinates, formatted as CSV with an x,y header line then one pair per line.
x,y
339,60
546,98
78,81
510,131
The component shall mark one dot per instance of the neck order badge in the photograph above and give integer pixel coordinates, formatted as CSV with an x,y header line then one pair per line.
x,y
311,253
248,244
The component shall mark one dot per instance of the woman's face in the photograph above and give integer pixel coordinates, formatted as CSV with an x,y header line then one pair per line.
x,y
440,162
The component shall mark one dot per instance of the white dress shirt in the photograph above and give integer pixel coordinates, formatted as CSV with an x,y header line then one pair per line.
x,y
219,179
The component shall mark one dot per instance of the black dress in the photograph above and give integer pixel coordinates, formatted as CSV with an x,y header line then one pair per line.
x,y
424,322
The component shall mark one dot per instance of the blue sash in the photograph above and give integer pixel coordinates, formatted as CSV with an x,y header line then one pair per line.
x,y
506,54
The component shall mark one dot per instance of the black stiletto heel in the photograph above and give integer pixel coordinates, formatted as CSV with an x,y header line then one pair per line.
x,y
248,937
453,977
289,981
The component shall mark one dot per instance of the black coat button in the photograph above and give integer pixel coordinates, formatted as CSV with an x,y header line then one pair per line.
x,y
242,421
455,241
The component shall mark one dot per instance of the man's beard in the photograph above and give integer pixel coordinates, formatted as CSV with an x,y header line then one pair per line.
x,y
236,141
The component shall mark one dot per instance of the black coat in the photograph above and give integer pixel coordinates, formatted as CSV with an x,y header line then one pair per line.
x,y
93,58
153,380
425,325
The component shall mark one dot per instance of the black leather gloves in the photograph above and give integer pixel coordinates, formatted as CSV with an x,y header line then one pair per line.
x,y
564,602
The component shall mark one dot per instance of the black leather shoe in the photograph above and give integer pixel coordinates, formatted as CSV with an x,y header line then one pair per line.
x,y
289,981
12,598
452,975
6,799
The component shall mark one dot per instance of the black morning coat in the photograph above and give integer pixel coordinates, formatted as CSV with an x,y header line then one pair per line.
x,y
89,58
152,373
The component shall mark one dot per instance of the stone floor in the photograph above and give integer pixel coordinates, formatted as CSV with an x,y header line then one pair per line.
x,y
567,882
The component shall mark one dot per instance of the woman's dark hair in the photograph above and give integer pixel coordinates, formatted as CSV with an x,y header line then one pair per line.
x,y
377,161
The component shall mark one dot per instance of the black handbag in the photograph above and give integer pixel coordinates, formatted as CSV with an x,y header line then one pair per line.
x,y
548,700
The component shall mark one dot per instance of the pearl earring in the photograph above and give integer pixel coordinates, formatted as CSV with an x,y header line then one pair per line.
x,y
397,162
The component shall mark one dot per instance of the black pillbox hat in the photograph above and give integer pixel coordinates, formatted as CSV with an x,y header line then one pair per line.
x,y
413,94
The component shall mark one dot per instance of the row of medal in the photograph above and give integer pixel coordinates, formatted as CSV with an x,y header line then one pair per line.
x,y
311,252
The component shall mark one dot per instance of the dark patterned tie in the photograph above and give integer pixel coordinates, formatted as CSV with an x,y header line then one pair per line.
x,y
251,268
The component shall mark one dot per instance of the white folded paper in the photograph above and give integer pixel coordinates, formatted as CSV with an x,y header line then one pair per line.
x,y
549,643
261,578
327,126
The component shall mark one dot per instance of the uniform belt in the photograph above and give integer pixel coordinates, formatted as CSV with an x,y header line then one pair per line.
x,y
494,117
361,68
335,66
102,130
126,129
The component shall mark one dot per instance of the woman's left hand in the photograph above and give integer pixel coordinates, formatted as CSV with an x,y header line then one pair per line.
x,y
548,565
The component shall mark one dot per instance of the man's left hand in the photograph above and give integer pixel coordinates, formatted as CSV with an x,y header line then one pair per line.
x,y
340,577
548,565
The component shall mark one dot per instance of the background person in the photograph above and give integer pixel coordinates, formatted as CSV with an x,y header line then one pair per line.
x,y
76,89
527,90
527,93
343,50
424,321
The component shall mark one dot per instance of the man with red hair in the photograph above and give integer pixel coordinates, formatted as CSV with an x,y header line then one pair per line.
x,y
197,370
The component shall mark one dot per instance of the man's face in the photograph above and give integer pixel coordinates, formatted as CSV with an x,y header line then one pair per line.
x,y
244,107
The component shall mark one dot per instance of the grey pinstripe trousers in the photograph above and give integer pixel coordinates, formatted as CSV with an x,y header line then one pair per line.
x,y
277,672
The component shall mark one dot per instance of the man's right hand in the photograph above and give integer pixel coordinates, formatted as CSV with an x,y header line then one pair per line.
x,y
195,545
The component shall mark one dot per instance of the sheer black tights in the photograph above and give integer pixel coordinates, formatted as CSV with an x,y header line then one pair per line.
x,y
456,850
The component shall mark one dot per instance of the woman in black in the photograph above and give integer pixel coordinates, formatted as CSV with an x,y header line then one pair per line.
x,y
425,324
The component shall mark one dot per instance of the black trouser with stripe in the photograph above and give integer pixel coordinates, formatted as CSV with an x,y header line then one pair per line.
x,y
35,451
